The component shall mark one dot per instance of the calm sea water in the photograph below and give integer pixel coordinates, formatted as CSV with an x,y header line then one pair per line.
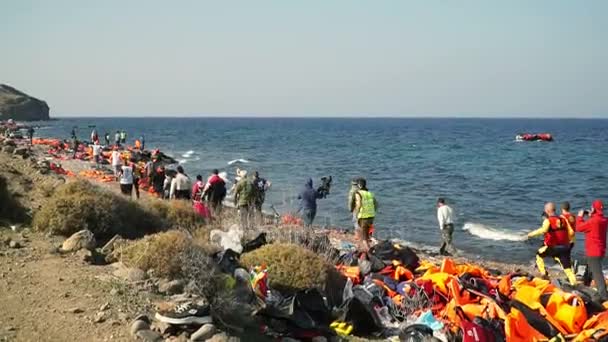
x,y
497,186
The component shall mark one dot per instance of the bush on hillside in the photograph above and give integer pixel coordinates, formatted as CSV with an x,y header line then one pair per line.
x,y
290,267
162,252
81,205
176,214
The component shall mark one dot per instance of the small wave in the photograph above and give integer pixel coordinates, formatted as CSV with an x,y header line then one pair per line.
x,y
232,162
188,154
182,161
489,233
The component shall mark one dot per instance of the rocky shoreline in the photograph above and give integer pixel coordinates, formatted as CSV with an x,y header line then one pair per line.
x,y
128,295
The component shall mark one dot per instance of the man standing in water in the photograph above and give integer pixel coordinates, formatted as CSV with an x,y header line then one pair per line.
x,y
445,217
556,243
365,208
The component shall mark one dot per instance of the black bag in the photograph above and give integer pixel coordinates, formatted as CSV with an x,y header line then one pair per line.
x,y
360,312
227,260
388,251
305,310
256,243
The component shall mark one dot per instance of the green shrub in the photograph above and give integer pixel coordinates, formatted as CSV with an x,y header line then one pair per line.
x,y
162,252
290,267
81,205
176,214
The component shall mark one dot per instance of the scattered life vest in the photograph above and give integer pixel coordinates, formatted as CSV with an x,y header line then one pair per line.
x,y
368,209
558,232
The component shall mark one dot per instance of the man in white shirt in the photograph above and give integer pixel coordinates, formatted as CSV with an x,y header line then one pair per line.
x,y
126,179
96,154
116,163
180,185
445,217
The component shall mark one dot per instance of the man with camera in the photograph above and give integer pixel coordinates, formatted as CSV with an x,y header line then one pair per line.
x,y
595,243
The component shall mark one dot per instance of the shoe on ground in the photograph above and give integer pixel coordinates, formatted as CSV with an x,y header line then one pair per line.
x,y
186,314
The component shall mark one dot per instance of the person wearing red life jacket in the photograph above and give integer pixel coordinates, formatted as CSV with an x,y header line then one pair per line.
x,y
556,243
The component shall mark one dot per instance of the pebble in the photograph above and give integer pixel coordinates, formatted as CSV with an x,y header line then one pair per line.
x,y
10,328
100,317
104,307
114,292
204,333
75,310
149,336
14,244
138,325
171,287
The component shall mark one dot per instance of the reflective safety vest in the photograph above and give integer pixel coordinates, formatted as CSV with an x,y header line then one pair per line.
x,y
558,232
368,208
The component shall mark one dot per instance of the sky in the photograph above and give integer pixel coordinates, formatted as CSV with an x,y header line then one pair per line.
x,y
542,58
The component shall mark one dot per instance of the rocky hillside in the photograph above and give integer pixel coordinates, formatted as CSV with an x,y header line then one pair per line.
x,y
20,106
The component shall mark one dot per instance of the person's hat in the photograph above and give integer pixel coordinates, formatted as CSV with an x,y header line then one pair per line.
x,y
598,205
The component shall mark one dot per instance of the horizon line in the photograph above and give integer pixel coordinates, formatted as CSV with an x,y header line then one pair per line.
x,y
270,116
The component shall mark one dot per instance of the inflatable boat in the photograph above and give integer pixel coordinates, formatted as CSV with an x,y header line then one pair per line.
x,y
534,137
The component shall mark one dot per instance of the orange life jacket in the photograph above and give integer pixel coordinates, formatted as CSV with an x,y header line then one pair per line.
x,y
558,232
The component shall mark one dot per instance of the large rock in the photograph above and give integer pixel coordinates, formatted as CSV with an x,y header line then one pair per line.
x,y
130,274
171,287
17,105
79,240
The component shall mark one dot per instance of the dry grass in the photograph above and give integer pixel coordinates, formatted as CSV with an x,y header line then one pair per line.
x,y
176,214
81,205
290,267
160,252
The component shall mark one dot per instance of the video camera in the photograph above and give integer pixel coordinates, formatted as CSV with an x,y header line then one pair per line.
x,y
325,186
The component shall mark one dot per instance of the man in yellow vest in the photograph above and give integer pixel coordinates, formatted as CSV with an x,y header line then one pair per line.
x,y
365,207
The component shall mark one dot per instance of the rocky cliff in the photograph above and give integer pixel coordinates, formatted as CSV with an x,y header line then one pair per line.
x,y
20,106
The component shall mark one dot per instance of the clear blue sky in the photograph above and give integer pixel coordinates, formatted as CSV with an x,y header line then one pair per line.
x,y
300,58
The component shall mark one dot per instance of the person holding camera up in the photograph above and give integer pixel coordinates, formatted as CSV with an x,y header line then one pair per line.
x,y
365,207
556,244
595,243
308,203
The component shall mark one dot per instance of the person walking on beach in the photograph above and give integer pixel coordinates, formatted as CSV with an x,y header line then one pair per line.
x,y
116,163
30,134
96,154
354,187
117,138
308,203
142,140
570,220
94,135
126,178
137,174
261,186
445,217
75,144
556,243
215,192
595,244
365,207
123,137
158,181
106,138
180,185
244,199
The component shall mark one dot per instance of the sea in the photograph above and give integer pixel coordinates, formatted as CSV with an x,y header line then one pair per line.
x,y
497,186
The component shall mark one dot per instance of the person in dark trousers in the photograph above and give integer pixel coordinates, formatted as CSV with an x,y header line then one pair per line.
x,y
595,244
136,176
30,134
106,137
308,203
445,218
142,140
365,208
117,138
215,192
261,185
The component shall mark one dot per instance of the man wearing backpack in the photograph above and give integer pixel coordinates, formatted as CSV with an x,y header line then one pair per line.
x,y
215,192
244,199
261,185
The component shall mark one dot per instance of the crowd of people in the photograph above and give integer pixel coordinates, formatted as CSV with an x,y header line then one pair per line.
x,y
249,193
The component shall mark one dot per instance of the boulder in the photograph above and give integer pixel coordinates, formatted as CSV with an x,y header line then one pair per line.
x,y
139,324
17,105
21,151
79,240
131,274
204,333
148,336
171,287
8,149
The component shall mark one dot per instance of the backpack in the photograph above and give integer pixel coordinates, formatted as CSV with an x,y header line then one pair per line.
x,y
478,330
217,191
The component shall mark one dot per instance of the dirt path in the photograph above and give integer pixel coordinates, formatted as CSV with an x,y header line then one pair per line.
x,y
51,297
